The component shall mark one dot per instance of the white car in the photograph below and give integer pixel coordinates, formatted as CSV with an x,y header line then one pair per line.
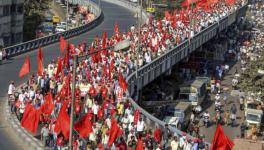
x,y
134,1
59,29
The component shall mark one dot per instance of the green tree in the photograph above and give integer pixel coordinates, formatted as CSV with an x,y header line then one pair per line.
x,y
34,11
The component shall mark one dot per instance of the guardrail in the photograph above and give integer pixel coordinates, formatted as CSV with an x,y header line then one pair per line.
x,y
43,41
158,66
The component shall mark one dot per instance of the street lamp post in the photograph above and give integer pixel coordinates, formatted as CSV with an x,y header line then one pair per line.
x,y
118,47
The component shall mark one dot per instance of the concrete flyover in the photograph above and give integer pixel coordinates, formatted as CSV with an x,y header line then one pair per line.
x,y
10,68
160,65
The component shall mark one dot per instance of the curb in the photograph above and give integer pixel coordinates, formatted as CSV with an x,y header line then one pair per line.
x,y
28,139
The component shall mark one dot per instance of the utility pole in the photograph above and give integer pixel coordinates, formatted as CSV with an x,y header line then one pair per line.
x,y
67,14
75,59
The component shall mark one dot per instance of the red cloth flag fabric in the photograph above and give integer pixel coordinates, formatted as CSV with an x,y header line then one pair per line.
x,y
25,69
157,135
63,121
115,132
116,28
104,40
136,116
63,44
40,62
48,105
167,15
140,145
230,2
122,82
67,58
84,126
59,67
187,3
30,119
221,141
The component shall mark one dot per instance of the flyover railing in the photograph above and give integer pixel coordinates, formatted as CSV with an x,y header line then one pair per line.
x,y
158,66
43,41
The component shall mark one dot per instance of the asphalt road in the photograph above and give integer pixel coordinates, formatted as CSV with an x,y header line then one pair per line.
x,y
10,68
231,132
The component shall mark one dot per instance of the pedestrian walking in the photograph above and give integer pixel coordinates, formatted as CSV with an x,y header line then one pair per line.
x,y
241,102
45,135
226,117
242,130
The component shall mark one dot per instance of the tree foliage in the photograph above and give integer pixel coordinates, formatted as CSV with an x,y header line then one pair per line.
x,y
34,11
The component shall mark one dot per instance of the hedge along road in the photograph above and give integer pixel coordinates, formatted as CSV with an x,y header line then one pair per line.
x,y
9,70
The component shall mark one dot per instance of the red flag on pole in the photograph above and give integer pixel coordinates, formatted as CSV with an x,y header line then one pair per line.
x,y
230,2
30,119
25,69
221,141
116,28
84,126
63,44
136,116
48,105
115,132
40,62
104,40
140,145
167,15
66,58
59,67
122,82
63,121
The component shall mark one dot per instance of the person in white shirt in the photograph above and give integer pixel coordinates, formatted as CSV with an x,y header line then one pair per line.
x,y
21,96
95,109
174,143
11,88
140,126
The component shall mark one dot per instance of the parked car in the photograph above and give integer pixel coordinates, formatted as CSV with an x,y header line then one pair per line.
x,y
59,29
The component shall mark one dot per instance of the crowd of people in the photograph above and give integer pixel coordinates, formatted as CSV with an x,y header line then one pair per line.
x,y
101,90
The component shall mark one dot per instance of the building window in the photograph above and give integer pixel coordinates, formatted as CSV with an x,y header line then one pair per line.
x,y
20,9
13,9
6,10
19,37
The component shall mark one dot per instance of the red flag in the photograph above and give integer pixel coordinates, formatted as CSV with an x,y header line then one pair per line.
x,y
30,119
63,121
84,126
66,58
40,62
25,69
104,40
116,28
48,105
150,20
59,67
63,44
221,141
122,82
136,116
167,15
140,145
115,132
157,135
230,2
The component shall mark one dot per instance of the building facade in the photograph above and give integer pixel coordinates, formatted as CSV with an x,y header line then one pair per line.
x,y
11,21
